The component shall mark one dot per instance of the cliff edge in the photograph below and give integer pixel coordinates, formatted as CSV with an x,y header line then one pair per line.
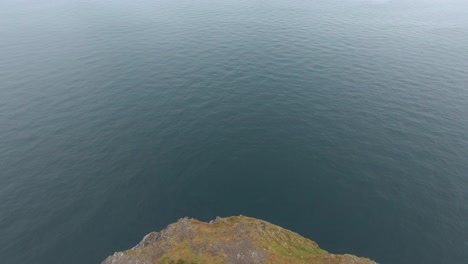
x,y
237,239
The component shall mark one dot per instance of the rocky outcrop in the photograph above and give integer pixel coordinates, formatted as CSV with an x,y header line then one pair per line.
x,y
231,240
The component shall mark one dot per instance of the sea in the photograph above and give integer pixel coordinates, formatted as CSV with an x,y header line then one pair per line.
x,y
345,121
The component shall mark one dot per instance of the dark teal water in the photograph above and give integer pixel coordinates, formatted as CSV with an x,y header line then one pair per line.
x,y
343,120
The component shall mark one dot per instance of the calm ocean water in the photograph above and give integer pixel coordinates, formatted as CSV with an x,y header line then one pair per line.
x,y
343,120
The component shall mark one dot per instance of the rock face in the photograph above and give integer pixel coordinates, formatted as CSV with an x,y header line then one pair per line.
x,y
230,240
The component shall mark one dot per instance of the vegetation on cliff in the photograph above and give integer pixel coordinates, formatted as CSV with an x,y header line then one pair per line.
x,y
236,239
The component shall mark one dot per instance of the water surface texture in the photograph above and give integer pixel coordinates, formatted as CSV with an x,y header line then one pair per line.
x,y
343,120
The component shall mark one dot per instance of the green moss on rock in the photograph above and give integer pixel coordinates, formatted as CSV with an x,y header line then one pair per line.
x,y
237,239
